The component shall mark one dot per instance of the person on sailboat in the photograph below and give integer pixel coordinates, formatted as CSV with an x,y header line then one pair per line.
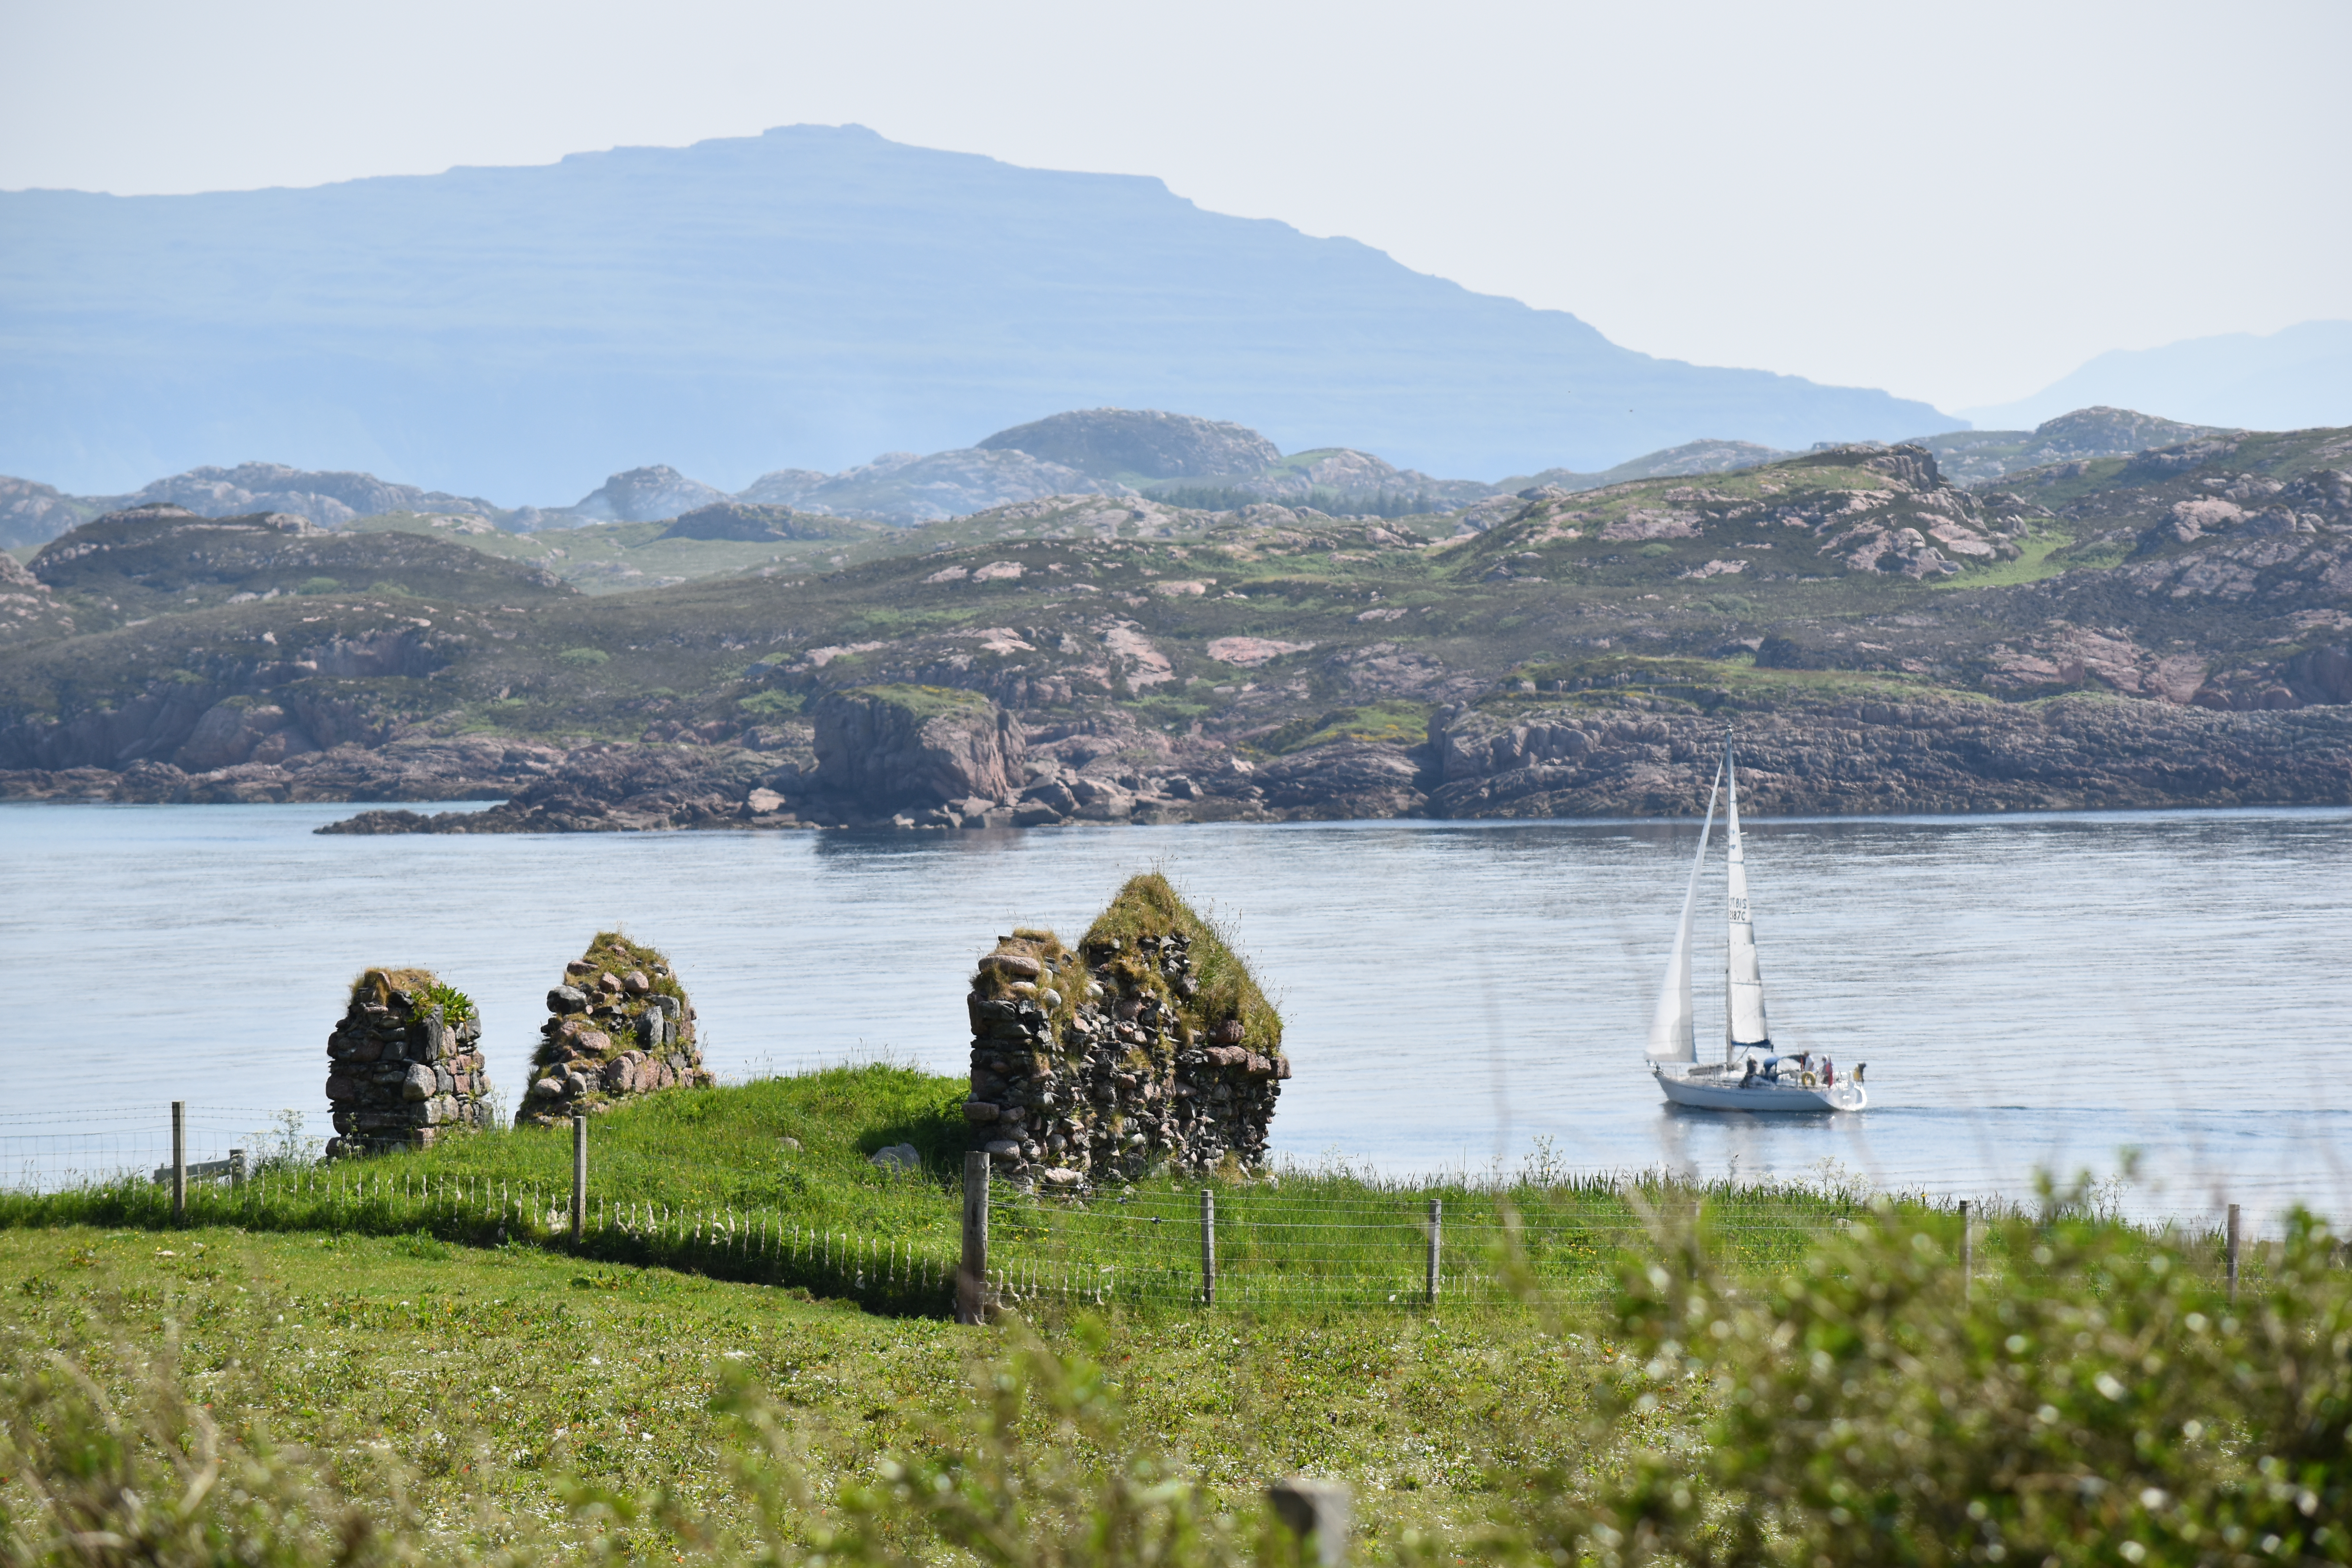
x,y
1748,1079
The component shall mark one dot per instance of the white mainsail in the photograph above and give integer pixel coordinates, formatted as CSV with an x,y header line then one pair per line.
x,y
1671,1037
1744,1010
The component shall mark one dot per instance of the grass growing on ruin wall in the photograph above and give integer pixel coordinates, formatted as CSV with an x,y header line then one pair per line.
x,y
1148,905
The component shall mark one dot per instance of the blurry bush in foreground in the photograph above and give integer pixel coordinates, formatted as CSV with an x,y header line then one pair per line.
x,y
2101,1402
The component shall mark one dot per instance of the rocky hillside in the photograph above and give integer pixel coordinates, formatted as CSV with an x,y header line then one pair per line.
x,y
129,566
2168,626
1139,446
1977,457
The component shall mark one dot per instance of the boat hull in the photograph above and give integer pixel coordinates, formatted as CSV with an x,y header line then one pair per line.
x,y
1764,1099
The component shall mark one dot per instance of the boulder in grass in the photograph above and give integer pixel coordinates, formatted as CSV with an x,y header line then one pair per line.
x,y
620,1026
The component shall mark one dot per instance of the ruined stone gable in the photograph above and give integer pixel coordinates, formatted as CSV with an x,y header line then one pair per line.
x,y
1148,1048
619,1025
407,1064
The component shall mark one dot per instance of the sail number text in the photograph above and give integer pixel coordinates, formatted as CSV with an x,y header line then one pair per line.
x,y
1739,911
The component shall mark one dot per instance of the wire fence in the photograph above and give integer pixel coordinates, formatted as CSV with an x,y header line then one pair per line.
x,y
1254,1245
52,1151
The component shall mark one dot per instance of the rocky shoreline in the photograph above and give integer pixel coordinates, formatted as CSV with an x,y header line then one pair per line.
x,y
973,765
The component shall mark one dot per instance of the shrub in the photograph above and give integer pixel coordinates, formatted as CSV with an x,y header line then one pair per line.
x,y
2104,1400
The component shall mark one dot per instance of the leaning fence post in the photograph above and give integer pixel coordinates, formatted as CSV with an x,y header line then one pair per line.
x,y
179,1162
579,1176
971,1271
1436,1230
2233,1252
1967,1253
1208,1247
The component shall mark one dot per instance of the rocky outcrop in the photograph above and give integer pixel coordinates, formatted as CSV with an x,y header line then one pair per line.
x,y
129,567
611,789
1108,442
405,1064
29,609
619,1025
753,523
34,513
463,767
31,514
889,746
1532,759
645,495
325,497
904,489
1147,1049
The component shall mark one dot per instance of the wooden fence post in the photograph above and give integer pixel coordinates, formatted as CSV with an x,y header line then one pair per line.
x,y
1208,1247
2233,1252
971,1271
1968,1253
1436,1230
579,1176
179,1162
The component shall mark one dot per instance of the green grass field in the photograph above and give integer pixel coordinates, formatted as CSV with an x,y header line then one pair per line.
x,y
408,1360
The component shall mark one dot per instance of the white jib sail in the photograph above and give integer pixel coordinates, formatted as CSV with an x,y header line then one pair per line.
x,y
1671,1038
1744,991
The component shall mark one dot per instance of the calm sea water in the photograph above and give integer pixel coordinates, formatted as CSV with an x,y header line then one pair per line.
x,y
2031,992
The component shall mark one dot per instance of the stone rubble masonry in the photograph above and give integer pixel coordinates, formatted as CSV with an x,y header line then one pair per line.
x,y
619,1025
1096,1066
401,1075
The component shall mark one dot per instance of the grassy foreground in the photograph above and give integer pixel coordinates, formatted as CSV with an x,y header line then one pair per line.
x,y
274,1394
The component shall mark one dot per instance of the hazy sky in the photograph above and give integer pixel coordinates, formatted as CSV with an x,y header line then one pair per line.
x,y
1958,203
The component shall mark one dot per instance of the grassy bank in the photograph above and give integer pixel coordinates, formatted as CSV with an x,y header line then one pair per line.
x,y
773,1183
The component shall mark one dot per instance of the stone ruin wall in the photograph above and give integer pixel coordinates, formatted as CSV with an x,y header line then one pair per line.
x,y
1093,1067
401,1074
619,1025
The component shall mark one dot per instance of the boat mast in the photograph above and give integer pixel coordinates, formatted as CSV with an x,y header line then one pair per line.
x,y
1744,1022
1671,1035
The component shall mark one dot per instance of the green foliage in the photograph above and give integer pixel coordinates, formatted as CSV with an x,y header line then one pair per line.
x,y
584,657
1394,723
455,1006
1042,1469
2099,1397
147,1476
771,704
317,585
1656,550
925,701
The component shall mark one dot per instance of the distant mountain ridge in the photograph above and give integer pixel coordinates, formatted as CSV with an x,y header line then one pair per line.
x,y
816,290
2297,378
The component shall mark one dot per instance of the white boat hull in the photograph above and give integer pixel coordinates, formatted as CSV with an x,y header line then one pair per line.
x,y
1789,1096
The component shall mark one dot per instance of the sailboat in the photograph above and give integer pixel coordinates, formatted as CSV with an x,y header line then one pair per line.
x,y
1752,1075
